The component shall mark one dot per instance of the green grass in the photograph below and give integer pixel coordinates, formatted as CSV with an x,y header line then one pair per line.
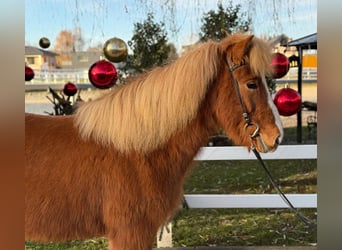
x,y
222,227
236,227
92,244
248,177
242,227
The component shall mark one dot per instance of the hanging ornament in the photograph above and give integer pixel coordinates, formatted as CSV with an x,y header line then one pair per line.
x,y
44,42
115,50
287,101
280,64
245,28
69,89
29,73
102,74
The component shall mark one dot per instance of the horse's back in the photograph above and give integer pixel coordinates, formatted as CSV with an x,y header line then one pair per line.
x,y
59,204
37,125
42,130
45,137
52,144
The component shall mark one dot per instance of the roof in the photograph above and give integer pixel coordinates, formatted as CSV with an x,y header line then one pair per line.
x,y
306,42
30,50
81,59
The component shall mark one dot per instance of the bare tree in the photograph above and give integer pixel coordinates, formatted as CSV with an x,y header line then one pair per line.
x,y
78,39
64,42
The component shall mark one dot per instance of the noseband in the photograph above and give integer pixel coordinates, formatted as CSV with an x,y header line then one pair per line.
x,y
255,134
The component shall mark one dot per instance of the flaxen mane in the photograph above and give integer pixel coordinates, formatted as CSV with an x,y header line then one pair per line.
x,y
143,114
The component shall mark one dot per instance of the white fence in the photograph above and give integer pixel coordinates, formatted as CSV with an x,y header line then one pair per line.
x,y
284,152
253,200
60,76
81,75
308,74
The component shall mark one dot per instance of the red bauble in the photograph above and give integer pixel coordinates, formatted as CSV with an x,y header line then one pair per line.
x,y
29,73
69,89
103,74
280,64
288,101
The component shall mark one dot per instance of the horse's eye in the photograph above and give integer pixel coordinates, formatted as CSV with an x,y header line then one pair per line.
x,y
252,85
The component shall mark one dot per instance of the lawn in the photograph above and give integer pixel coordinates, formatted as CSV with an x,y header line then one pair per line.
x,y
242,227
236,227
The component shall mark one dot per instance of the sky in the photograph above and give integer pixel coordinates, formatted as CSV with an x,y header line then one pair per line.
x,y
101,20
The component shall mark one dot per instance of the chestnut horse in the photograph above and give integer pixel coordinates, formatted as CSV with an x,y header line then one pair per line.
x,y
116,168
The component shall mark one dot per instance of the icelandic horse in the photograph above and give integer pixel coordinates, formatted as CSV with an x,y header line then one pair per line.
x,y
116,167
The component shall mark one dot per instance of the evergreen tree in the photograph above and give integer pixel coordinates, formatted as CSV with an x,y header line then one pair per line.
x,y
149,45
216,24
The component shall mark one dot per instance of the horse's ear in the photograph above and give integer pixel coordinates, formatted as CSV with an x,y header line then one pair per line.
x,y
239,48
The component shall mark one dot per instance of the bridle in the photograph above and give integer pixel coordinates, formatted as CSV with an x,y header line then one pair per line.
x,y
248,122
256,135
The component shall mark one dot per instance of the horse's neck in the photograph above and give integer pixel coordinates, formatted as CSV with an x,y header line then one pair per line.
x,y
185,144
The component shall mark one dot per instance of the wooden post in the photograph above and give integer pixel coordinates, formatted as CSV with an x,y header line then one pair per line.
x,y
299,89
165,239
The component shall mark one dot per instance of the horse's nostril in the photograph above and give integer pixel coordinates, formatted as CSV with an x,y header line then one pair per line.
x,y
277,141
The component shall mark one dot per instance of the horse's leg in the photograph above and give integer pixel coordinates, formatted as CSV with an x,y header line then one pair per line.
x,y
134,237
127,241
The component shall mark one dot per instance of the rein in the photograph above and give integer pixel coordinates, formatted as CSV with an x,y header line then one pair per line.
x,y
256,135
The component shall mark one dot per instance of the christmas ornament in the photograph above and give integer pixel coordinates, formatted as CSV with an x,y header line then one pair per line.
x,y
69,89
102,74
288,101
115,50
280,64
29,73
245,28
44,42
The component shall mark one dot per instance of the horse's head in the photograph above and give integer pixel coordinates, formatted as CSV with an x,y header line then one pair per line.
x,y
243,105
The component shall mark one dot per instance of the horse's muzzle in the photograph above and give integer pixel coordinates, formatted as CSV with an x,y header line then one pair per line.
x,y
262,147
258,142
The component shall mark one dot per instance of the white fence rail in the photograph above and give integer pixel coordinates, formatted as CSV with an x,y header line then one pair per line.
x,y
81,75
60,76
241,153
253,200
308,75
284,152
250,201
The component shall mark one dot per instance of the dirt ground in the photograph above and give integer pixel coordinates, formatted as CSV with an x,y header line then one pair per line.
x,y
309,93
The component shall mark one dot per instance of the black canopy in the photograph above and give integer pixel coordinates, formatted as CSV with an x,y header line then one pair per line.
x,y
306,42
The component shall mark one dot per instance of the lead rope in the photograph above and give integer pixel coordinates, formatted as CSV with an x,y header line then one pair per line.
x,y
304,219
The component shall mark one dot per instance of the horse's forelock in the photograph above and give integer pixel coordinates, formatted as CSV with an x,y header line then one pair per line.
x,y
260,57
250,49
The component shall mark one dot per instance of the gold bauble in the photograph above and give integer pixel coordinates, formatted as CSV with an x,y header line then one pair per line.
x,y
115,50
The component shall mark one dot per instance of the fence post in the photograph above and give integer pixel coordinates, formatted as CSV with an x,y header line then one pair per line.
x,y
165,240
